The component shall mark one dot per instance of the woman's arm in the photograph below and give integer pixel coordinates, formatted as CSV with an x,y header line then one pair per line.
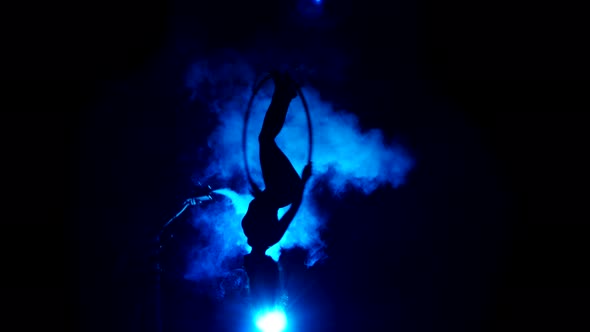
x,y
288,217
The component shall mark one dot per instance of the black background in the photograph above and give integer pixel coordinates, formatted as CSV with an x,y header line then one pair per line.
x,y
489,234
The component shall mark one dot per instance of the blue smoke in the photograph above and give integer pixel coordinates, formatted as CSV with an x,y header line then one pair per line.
x,y
345,157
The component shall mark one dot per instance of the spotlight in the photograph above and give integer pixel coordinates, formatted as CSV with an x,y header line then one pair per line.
x,y
271,321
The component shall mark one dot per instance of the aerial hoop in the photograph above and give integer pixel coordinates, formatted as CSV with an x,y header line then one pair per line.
x,y
255,91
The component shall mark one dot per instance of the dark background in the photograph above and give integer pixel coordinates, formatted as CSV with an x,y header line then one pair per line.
x,y
489,233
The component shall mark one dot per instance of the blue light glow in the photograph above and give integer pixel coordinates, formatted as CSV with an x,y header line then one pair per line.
x,y
273,321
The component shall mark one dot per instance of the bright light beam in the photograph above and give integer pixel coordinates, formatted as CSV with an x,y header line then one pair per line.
x,y
273,321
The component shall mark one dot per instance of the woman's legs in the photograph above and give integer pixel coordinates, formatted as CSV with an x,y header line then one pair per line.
x,y
280,178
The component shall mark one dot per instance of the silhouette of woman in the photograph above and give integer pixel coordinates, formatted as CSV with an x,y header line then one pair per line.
x,y
283,186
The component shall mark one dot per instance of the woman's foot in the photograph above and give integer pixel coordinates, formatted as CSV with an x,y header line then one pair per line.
x,y
284,84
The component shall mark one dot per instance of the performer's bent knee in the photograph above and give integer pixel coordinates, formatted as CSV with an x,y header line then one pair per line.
x,y
266,138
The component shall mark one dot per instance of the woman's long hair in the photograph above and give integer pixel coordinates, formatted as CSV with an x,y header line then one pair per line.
x,y
265,282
